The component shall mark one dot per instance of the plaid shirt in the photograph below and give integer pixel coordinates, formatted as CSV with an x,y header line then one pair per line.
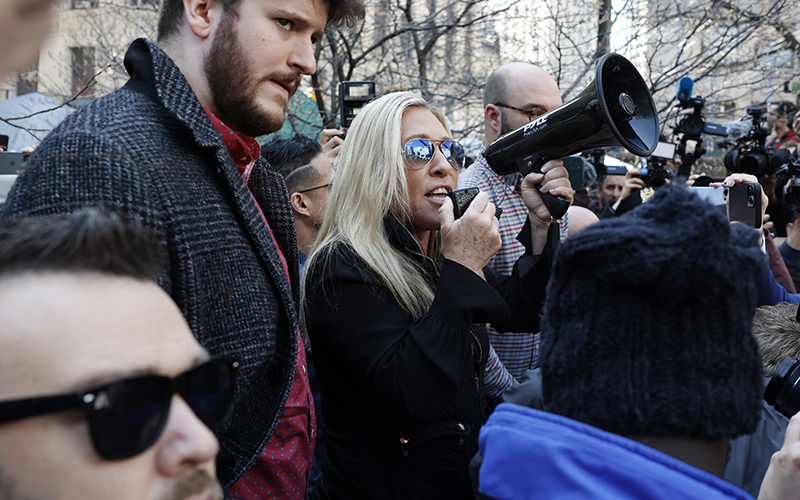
x,y
517,351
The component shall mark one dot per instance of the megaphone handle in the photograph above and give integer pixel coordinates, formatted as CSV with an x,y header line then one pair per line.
x,y
557,205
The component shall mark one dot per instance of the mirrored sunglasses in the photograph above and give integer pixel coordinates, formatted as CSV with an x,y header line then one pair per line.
x,y
420,152
127,416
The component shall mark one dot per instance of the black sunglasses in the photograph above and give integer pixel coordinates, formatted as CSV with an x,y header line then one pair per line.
x,y
420,152
127,416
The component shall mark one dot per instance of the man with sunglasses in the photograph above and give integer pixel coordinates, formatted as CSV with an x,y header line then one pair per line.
x,y
515,94
175,147
104,391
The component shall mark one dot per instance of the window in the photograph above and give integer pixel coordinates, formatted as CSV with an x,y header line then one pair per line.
x,y
144,3
28,79
82,69
82,4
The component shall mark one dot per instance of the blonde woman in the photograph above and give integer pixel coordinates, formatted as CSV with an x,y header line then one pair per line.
x,y
393,290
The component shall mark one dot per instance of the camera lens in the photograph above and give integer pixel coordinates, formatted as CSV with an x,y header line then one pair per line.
x,y
783,389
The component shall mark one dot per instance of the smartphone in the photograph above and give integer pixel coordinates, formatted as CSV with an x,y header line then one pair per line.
x,y
744,203
11,163
713,195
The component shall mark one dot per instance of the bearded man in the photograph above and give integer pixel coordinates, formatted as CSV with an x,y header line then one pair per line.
x,y
174,148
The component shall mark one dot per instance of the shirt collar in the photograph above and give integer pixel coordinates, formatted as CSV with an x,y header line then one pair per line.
x,y
244,150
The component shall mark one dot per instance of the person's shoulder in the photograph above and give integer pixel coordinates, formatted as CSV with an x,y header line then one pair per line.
x,y
117,115
476,175
337,261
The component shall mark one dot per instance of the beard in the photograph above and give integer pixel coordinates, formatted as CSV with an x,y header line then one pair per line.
x,y
234,85
193,484
504,126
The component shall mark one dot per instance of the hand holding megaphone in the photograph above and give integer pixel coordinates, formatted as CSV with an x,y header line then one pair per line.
x,y
553,182
616,109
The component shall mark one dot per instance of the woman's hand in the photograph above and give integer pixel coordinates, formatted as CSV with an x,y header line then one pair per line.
x,y
474,238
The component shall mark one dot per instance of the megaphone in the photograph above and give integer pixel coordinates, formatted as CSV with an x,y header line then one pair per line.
x,y
616,109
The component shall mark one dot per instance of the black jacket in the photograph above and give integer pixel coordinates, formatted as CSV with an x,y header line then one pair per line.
x,y
402,398
150,151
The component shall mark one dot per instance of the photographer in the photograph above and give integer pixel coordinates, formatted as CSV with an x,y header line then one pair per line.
x,y
394,292
630,197
609,189
779,119
770,292
790,248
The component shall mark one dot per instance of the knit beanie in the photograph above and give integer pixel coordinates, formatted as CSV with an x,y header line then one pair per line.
x,y
647,325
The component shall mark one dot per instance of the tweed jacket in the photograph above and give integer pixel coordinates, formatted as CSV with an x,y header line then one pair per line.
x,y
149,151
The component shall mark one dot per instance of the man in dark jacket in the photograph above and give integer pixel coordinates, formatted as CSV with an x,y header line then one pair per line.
x,y
174,149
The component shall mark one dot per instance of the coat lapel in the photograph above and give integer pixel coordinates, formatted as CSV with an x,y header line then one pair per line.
x,y
179,99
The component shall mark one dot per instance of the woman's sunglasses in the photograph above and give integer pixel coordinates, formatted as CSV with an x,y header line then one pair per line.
x,y
420,152
127,416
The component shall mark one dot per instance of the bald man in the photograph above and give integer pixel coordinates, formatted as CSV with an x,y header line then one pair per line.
x,y
514,94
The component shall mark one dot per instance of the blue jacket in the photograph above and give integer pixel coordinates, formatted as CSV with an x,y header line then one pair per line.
x,y
529,454
770,292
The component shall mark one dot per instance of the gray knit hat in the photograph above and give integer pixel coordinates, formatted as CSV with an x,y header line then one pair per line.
x,y
647,326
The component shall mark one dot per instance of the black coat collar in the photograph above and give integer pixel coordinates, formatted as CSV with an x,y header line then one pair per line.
x,y
400,237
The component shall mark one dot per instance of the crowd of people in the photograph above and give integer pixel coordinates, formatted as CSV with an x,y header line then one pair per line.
x,y
188,314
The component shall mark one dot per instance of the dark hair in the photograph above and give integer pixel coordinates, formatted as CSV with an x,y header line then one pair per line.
x,y
291,159
91,240
778,334
340,12
786,108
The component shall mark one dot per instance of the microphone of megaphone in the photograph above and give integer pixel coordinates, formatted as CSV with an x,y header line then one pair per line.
x,y
616,109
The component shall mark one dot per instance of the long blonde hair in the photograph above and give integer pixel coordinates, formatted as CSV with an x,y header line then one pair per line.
x,y
369,184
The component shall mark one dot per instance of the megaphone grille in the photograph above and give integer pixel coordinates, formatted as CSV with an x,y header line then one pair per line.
x,y
624,98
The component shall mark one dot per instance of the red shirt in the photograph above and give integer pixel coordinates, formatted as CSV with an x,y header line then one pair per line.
x,y
281,470
788,136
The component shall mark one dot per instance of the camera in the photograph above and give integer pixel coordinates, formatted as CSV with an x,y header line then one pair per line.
x,y
352,97
691,127
654,168
783,389
748,154
786,168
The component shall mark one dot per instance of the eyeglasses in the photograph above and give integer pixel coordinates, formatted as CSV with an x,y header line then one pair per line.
x,y
532,113
127,416
420,152
315,187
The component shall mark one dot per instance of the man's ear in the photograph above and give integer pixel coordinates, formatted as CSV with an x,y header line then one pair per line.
x,y
199,15
298,202
494,118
